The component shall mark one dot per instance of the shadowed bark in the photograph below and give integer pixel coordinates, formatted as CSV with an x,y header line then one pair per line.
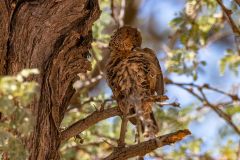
x,y
53,36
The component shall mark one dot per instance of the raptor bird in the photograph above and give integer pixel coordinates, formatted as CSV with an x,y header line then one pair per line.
x,y
134,75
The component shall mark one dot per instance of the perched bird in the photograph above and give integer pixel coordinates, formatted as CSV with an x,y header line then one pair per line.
x,y
134,75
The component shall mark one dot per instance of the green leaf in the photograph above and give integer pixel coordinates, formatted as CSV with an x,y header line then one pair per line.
x,y
176,21
233,110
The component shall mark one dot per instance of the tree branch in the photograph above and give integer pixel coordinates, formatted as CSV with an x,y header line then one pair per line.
x,y
232,24
90,120
202,98
147,146
221,113
118,19
228,13
113,12
204,86
122,13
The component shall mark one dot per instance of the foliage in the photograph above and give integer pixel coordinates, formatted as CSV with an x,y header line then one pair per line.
x,y
16,121
232,60
196,27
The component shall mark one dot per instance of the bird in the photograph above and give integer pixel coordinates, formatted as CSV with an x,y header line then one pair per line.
x,y
134,75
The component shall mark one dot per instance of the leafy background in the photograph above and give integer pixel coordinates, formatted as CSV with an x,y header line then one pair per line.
x,y
198,52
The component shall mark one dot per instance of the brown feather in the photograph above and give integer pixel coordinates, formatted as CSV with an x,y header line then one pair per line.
x,y
133,74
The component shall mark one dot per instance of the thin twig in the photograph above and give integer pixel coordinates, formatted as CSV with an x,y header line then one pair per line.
x,y
173,104
80,84
204,86
228,14
202,98
222,114
112,145
104,136
218,36
79,106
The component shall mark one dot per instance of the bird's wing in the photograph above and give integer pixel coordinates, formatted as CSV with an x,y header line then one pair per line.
x,y
111,73
155,74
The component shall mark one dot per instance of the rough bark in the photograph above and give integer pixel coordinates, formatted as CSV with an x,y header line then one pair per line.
x,y
53,36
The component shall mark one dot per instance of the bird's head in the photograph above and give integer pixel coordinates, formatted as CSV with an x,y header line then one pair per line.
x,y
125,38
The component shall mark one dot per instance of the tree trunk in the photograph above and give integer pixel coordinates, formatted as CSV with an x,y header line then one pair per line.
x,y
53,36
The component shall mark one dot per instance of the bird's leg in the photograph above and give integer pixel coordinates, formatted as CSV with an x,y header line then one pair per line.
x,y
149,129
121,141
139,135
139,131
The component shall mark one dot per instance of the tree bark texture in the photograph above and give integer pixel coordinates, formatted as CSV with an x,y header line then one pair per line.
x,y
53,36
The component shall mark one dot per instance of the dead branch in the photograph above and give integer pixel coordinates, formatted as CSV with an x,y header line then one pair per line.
x,y
147,146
